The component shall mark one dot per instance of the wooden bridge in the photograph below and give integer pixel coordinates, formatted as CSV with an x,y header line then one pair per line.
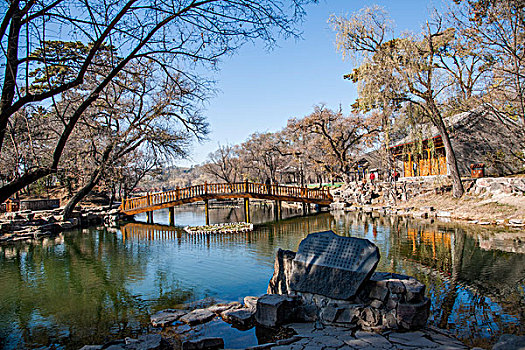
x,y
205,192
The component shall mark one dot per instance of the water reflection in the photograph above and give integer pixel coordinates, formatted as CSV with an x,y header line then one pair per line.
x,y
87,287
74,290
477,292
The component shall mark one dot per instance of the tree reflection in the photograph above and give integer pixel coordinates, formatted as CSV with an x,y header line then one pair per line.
x,y
74,291
88,287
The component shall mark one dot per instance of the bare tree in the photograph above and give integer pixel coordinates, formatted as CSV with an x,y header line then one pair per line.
x,y
50,46
410,69
338,139
261,159
497,29
224,164
138,112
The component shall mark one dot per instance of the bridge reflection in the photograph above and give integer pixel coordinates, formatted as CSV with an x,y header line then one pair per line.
x,y
286,229
149,232
441,250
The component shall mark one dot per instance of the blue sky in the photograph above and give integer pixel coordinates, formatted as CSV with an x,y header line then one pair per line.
x,y
260,90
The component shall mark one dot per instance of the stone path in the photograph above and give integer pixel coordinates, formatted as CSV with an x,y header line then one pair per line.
x,y
332,338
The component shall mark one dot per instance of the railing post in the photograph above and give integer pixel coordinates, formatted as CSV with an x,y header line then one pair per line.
x,y
245,186
205,187
177,193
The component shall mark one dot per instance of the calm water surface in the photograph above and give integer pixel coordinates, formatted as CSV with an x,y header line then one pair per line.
x,y
95,285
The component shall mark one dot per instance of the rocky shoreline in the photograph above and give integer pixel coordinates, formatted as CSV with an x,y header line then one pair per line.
x,y
487,201
172,329
285,319
425,212
27,224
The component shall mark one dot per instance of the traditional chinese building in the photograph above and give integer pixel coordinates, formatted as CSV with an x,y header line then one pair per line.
x,y
477,137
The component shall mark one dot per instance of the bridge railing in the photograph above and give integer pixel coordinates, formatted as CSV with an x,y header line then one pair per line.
x,y
159,198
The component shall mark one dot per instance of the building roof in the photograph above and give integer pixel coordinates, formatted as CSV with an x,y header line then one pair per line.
x,y
428,131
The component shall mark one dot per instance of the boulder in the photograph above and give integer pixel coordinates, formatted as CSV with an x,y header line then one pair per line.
x,y
333,266
413,315
242,318
274,310
251,302
165,317
144,342
383,301
203,344
341,313
198,316
219,308
415,290
282,272
509,341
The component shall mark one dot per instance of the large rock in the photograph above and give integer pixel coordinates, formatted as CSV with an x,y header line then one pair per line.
x,y
282,272
510,341
198,316
166,317
251,302
242,318
144,342
413,315
220,308
203,344
333,266
274,310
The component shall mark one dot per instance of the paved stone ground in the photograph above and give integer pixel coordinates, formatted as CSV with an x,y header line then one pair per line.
x,y
331,338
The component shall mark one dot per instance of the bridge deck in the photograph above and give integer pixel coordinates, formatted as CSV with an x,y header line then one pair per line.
x,y
179,196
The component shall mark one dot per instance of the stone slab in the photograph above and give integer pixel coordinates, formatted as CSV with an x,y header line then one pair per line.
x,y
166,317
208,343
239,317
198,316
274,310
510,341
332,265
219,308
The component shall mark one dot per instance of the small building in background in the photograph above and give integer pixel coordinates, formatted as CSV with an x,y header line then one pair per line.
x,y
477,137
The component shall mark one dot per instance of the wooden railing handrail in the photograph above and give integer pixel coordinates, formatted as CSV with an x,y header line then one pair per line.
x,y
206,189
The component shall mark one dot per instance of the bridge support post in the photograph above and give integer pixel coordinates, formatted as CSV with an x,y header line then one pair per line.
x,y
149,216
172,215
277,209
247,210
206,212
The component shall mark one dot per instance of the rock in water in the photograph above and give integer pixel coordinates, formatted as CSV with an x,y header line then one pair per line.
x,y
144,342
510,341
242,318
220,308
274,310
333,266
165,317
197,316
251,302
203,344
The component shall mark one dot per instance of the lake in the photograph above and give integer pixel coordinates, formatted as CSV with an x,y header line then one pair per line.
x,y
93,285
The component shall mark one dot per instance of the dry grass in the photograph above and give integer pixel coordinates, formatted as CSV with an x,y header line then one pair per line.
x,y
472,207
